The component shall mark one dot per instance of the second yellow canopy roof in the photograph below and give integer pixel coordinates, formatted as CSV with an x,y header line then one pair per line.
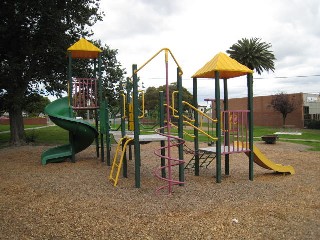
x,y
227,67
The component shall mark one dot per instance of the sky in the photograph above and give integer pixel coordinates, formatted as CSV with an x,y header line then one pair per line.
x,y
195,31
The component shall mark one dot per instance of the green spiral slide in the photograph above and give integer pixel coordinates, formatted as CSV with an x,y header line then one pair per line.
x,y
83,134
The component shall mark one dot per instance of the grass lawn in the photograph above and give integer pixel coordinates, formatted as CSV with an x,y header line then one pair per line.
x,y
55,135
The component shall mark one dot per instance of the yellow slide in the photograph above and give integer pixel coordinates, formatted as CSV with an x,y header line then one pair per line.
x,y
263,161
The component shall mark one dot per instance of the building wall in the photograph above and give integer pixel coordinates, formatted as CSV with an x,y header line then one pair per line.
x,y
312,104
26,121
264,115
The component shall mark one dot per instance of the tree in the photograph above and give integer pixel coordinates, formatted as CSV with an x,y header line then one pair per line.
x,y
283,104
254,54
35,104
152,96
34,36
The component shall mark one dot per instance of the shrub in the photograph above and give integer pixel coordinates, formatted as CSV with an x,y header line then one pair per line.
x,y
313,124
31,137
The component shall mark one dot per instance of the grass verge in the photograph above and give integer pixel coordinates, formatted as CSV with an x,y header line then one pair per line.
x,y
55,135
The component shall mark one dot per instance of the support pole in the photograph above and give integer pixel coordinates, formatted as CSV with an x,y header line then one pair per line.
x,y
101,108
123,133
71,137
180,125
250,117
168,116
195,131
226,125
108,144
103,125
96,121
218,128
162,143
136,127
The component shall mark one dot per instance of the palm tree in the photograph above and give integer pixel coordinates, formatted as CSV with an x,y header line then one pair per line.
x,y
254,54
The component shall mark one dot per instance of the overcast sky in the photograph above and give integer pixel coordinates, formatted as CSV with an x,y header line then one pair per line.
x,y
195,31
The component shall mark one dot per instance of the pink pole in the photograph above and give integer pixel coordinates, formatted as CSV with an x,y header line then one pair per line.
x,y
168,125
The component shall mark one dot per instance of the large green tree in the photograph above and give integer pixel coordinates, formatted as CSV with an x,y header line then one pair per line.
x,y
35,104
254,54
34,36
152,96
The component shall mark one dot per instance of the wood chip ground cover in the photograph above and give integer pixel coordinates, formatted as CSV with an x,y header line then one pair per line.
x,y
77,201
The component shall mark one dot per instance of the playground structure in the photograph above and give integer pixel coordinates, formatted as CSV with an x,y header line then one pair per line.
x,y
233,128
84,93
163,134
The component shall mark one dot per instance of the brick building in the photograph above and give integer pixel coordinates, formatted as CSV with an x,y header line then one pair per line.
x,y
308,107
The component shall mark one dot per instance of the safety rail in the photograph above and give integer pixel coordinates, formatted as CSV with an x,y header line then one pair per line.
x,y
176,116
84,93
124,104
200,130
235,128
200,112
184,132
192,107
189,122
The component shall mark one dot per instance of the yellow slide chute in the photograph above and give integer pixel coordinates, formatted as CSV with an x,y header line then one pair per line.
x,y
263,161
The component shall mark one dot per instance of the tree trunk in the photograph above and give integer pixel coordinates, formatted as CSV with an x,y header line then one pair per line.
x,y
284,116
17,135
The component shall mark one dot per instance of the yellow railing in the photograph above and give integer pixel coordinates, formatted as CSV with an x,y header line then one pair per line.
x,y
188,122
200,130
184,132
176,116
142,94
200,112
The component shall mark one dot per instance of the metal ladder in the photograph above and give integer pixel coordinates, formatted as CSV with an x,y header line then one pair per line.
x,y
118,159
205,157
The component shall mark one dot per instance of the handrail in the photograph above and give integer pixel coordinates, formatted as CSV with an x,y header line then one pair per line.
x,y
197,110
189,122
186,133
192,107
142,116
200,130
174,110
176,116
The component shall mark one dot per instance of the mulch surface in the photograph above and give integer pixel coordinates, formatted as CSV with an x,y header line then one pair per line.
x,y
77,201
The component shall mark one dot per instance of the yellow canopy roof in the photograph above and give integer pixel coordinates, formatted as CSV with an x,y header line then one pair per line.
x,y
227,67
84,49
